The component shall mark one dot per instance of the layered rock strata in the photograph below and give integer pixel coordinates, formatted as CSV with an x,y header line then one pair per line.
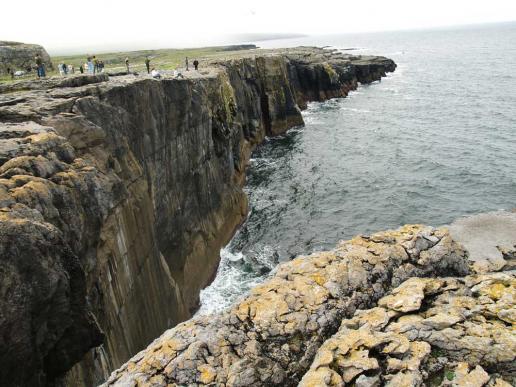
x,y
116,195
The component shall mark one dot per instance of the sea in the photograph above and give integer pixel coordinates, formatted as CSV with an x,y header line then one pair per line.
x,y
431,142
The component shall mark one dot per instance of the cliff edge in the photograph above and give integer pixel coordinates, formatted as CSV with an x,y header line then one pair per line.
x,y
117,193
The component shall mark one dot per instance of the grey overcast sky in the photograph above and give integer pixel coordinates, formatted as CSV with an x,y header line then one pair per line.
x,y
115,24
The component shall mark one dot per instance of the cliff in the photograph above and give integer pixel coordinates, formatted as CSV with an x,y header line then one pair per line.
x,y
117,193
395,308
20,56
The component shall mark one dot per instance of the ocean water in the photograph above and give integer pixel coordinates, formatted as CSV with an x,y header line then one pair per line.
x,y
433,141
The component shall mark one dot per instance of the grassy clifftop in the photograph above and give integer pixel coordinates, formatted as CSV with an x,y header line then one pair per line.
x,y
165,59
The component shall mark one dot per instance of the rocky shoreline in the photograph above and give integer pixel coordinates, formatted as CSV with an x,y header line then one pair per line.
x,y
396,308
117,194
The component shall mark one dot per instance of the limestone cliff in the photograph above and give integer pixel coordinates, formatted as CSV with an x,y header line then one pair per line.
x,y
20,56
116,195
359,315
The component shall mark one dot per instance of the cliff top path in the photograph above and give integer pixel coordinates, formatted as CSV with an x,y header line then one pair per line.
x,y
209,66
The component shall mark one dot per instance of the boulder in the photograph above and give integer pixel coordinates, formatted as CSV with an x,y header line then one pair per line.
x,y
18,56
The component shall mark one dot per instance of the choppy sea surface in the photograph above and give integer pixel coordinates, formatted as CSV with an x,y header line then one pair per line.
x,y
432,142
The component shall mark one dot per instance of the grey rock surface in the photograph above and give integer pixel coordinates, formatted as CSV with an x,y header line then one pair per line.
x,y
490,239
463,327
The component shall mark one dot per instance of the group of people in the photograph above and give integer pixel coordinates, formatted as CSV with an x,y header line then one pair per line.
x,y
156,74
11,72
65,69
153,72
40,69
195,63
94,65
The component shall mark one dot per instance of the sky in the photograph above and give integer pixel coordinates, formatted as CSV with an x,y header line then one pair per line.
x,y
68,27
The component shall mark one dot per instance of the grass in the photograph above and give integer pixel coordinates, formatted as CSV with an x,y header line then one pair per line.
x,y
450,375
163,59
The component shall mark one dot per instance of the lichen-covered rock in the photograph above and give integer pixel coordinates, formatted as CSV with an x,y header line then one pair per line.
x,y
427,330
271,337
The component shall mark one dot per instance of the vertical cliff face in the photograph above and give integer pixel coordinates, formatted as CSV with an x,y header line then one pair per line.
x,y
120,194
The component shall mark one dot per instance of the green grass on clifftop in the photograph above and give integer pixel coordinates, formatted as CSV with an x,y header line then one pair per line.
x,y
163,59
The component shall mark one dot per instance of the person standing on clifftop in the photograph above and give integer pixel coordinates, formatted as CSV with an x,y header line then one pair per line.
x,y
95,64
127,64
147,64
40,67
186,61
90,65
196,64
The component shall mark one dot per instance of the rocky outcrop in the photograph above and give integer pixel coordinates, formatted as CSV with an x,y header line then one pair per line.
x,y
20,56
373,312
116,195
271,337
428,331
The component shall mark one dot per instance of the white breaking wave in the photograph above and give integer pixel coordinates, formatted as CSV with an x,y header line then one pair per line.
x,y
235,277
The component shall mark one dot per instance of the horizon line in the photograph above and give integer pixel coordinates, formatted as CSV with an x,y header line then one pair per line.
x,y
267,36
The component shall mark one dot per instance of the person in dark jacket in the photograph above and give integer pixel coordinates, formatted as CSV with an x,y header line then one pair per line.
x,y
147,64
40,66
196,64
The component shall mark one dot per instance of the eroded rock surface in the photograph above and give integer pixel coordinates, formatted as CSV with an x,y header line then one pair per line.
x,y
490,239
117,193
442,331
272,336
